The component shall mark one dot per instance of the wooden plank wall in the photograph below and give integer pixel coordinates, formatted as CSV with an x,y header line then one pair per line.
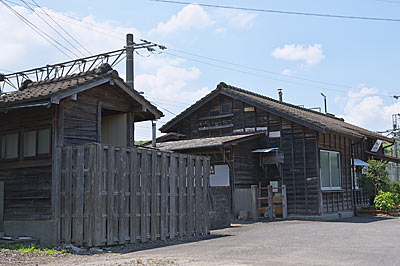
x,y
111,195
27,182
340,200
299,171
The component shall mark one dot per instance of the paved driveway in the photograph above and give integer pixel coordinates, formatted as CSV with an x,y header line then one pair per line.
x,y
352,241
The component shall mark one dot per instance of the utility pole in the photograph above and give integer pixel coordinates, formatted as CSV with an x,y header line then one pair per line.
x,y
129,60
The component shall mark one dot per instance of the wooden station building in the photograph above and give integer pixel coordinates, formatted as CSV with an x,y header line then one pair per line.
x,y
95,106
255,139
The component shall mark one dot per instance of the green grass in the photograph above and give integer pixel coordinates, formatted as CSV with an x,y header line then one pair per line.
x,y
31,249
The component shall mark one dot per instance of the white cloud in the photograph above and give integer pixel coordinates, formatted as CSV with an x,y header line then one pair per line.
x,y
312,54
368,109
190,17
288,72
239,19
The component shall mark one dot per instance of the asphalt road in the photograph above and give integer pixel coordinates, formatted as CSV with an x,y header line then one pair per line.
x,y
353,241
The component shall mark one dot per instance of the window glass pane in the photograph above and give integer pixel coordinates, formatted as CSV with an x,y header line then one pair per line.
x,y
335,170
30,143
325,169
12,146
2,147
44,141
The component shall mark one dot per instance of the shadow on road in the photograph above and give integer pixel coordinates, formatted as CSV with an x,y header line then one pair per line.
x,y
159,244
362,219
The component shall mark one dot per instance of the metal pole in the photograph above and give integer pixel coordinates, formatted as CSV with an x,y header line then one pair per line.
x,y
396,154
153,129
129,60
353,170
325,105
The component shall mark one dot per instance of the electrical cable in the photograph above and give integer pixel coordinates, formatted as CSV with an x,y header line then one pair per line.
x,y
62,28
37,30
48,24
281,11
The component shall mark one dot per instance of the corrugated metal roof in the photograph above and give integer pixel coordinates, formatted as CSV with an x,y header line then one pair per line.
x,y
265,150
202,142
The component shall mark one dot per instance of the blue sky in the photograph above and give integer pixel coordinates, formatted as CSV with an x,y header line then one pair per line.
x,y
361,56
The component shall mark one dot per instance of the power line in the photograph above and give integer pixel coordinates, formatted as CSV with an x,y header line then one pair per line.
x,y
62,28
37,30
48,24
249,73
262,70
163,108
282,11
83,22
387,1
266,71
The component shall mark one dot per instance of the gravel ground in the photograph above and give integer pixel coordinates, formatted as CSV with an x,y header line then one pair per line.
x,y
366,241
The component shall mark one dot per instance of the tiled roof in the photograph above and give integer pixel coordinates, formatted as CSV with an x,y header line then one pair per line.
x,y
43,90
201,143
46,88
319,121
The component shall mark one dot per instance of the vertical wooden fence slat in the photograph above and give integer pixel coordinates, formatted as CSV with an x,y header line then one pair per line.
x,y
153,229
133,183
91,203
172,199
206,175
78,230
110,195
122,188
97,195
182,189
68,195
163,206
143,197
190,206
57,192
198,196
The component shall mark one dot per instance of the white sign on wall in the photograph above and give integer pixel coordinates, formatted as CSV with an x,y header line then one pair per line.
x,y
221,176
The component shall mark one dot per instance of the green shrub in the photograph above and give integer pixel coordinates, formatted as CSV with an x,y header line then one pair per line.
x,y
385,201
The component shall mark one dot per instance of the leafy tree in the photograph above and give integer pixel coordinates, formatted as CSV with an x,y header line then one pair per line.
x,y
377,177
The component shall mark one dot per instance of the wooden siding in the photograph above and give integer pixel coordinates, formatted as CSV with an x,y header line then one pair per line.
x,y
109,195
222,116
81,119
339,200
300,170
27,182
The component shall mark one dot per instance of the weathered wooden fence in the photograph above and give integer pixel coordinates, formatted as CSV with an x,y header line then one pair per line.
x,y
115,195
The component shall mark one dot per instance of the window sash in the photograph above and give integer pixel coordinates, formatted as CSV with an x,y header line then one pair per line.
x,y
330,170
30,143
11,146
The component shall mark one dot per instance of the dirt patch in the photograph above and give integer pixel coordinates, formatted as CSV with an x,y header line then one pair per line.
x,y
15,257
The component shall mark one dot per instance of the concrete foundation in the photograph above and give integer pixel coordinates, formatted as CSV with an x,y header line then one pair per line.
x,y
44,231
324,217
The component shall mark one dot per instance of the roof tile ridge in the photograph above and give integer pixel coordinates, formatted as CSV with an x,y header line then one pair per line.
x,y
227,86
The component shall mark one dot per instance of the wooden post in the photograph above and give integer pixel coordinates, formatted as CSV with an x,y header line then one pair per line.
x,y
78,230
254,211
284,202
110,195
153,192
1,206
270,204
133,185
164,196
173,166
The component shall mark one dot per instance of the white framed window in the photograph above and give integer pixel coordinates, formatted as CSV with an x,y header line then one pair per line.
x,y
9,145
330,170
36,142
